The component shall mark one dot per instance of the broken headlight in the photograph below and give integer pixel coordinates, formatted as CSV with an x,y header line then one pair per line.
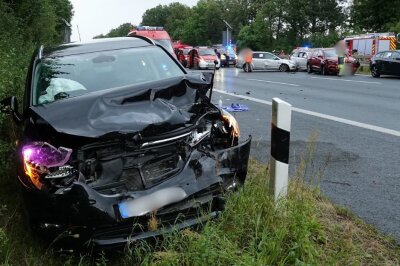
x,y
232,123
42,159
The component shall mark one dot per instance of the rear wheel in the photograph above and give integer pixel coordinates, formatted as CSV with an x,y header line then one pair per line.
x,y
283,68
375,72
309,69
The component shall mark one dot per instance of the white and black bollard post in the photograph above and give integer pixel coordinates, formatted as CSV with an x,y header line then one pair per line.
x,y
280,140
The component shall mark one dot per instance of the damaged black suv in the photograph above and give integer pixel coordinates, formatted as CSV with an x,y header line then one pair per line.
x,y
120,143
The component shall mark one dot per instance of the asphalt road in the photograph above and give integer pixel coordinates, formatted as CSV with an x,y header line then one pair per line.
x,y
357,120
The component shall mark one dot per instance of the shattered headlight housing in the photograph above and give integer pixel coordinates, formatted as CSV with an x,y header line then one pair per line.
x,y
232,123
39,157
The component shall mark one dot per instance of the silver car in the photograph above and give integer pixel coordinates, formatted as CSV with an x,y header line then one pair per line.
x,y
300,58
268,61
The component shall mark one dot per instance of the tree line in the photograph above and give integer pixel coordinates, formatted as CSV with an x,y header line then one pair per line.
x,y
271,24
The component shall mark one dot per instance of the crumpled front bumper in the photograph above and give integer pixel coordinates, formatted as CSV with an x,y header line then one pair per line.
x,y
84,215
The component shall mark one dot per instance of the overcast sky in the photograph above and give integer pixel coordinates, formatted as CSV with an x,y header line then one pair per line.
x,y
100,16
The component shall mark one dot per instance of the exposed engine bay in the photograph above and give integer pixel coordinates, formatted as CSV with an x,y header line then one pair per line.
x,y
123,156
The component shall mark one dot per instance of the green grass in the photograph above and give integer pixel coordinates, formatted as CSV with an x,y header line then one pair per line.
x,y
364,70
305,229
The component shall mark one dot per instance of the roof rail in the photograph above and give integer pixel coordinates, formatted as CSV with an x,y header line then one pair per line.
x,y
133,34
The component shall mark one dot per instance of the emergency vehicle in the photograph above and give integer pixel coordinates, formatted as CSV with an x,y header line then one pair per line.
x,y
371,43
156,33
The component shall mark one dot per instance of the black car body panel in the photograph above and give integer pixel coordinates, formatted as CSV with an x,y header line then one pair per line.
x,y
386,63
126,163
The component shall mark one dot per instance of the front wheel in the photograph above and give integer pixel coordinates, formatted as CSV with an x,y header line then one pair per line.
x,y
374,72
283,68
309,70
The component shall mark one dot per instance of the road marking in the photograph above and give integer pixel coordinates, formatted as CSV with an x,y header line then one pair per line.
x,y
348,80
324,116
275,82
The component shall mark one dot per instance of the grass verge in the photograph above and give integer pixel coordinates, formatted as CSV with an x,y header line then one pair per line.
x,y
304,229
364,70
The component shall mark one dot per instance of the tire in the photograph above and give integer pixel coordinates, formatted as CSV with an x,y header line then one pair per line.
x,y
323,70
283,68
244,68
374,72
309,69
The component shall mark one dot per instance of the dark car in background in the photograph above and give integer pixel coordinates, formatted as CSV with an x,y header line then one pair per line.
x,y
325,62
119,143
385,63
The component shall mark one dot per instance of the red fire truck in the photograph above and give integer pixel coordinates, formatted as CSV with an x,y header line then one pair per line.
x,y
371,43
156,33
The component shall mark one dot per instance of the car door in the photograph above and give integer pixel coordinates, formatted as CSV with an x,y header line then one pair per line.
x,y
394,64
271,61
314,60
385,63
258,60
318,60
302,60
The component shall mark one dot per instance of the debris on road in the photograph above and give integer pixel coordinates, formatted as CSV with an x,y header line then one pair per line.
x,y
236,107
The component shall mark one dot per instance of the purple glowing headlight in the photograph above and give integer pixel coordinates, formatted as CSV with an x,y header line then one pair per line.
x,y
44,154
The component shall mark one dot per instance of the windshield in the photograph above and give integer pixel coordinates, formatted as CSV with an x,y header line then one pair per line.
x,y
64,77
167,44
330,53
186,51
203,52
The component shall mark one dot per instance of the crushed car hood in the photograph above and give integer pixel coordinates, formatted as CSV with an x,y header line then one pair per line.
x,y
164,105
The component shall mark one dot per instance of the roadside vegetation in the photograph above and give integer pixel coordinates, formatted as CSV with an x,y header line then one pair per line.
x,y
304,229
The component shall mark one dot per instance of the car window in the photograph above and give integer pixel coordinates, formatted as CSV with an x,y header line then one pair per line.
x,y
205,52
295,54
387,54
330,53
269,56
395,55
68,76
379,55
256,55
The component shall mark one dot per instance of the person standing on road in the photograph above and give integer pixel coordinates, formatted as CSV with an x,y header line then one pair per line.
x,y
247,54
341,50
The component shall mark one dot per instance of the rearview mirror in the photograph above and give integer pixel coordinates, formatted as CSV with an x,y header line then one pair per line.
x,y
9,105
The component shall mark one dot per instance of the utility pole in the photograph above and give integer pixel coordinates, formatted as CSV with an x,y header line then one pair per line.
x,y
228,33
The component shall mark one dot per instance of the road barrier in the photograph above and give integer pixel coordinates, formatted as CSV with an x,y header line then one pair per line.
x,y
280,140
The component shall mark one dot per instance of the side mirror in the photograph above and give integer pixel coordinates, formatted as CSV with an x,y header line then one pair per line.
x,y
320,56
215,62
398,59
398,37
9,105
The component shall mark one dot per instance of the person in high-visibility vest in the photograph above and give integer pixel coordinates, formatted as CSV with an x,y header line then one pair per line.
x,y
341,50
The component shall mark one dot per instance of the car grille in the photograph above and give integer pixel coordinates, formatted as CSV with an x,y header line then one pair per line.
x,y
156,170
